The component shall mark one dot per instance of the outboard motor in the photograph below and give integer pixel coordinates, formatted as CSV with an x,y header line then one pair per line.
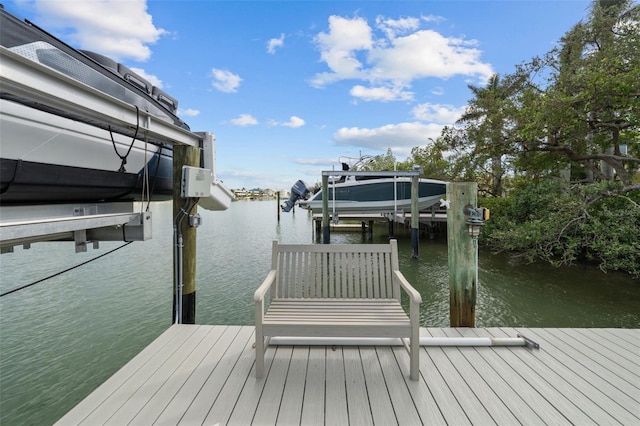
x,y
298,190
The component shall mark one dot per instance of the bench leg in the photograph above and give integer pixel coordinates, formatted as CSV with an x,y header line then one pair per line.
x,y
259,353
414,357
414,361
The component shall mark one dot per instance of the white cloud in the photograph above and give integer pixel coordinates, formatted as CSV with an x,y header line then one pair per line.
x,y
189,112
225,81
274,43
399,137
245,120
294,122
339,48
392,27
427,53
437,113
383,94
118,29
433,18
394,56
149,77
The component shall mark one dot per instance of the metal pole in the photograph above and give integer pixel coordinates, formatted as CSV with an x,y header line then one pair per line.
x,y
325,210
415,216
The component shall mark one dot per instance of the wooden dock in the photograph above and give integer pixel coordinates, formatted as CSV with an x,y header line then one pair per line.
x,y
205,375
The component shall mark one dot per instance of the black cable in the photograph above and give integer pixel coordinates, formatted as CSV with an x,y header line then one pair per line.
x,y
135,135
155,176
62,272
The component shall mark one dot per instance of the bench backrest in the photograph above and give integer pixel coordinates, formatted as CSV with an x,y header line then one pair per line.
x,y
362,271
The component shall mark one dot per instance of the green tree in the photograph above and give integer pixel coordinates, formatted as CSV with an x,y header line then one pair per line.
x,y
381,162
587,112
575,113
432,160
486,123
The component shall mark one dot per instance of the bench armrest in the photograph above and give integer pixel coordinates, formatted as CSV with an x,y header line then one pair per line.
x,y
265,286
414,296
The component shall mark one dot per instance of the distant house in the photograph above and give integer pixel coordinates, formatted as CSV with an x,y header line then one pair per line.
x,y
254,194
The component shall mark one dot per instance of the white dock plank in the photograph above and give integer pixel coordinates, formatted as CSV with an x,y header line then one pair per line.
x,y
93,400
213,366
314,390
617,403
292,398
564,396
604,346
219,396
519,384
205,375
626,347
442,393
357,397
382,410
336,397
164,384
144,368
266,412
419,393
607,360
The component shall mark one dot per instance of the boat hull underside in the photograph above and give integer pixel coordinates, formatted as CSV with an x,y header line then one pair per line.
x,y
23,182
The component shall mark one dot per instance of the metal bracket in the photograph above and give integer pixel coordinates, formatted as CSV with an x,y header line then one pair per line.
x,y
528,342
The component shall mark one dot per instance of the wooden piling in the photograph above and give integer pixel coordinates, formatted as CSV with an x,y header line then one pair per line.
x,y
462,276
184,155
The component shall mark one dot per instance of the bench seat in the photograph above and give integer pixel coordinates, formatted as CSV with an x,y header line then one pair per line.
x,y
336,318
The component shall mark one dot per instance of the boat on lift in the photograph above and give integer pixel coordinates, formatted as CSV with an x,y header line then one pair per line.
x,y
52,153
367,193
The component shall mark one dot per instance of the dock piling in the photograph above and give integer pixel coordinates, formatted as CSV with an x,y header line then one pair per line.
x,y
184,155
462,259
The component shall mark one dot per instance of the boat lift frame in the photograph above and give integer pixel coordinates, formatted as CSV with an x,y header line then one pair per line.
x,y
415,214
79,222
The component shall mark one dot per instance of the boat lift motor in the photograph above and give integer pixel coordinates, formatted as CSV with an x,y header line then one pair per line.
x,y
298,191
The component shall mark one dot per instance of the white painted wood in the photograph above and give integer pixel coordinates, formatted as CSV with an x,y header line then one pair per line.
x,y
360,287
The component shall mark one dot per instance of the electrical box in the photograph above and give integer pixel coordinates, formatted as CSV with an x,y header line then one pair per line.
x,y
196,182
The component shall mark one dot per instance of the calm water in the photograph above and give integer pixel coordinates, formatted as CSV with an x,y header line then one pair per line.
x,y
61,339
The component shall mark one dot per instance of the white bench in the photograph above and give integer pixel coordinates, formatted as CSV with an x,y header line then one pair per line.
x,y
336,290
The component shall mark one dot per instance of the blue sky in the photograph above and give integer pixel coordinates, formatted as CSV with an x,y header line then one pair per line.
x,y
288,87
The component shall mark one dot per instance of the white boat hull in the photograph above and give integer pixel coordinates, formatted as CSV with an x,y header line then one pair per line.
x,y
377,195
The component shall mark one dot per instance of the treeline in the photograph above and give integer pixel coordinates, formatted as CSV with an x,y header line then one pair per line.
x,y
555,147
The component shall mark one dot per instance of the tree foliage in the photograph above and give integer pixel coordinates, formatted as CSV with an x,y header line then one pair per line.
x,y
562,223
556,146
